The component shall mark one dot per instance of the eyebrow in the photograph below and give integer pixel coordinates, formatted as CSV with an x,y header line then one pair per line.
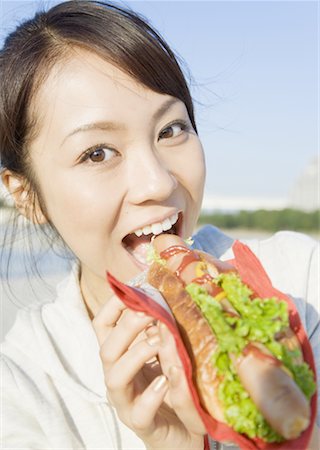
x,y
114,126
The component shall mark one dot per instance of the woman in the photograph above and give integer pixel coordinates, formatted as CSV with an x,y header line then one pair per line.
x,y
98,140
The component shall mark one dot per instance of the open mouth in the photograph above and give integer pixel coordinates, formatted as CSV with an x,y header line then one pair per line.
x,y
138,242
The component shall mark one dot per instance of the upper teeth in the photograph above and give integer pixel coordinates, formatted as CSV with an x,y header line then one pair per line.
x,y
159,227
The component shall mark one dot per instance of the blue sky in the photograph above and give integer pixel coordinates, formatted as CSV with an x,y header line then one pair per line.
x,y
255,82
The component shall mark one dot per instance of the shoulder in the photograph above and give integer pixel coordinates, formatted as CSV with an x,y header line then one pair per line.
x,y
285,244
16,376
212,240
290,259
34,324
17,414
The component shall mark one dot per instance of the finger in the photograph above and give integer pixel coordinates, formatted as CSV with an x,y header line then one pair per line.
x,y
151,330
181,401
148,331
107,317
168,354
120,376
147,404
123,336
179,393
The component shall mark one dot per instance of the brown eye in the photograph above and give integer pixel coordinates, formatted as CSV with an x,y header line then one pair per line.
x,y
97,155
173,130
166,133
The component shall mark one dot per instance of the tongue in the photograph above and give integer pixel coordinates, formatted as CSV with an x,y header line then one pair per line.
x,y
138,247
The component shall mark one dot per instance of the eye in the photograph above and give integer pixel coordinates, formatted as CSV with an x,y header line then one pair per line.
x,y
173,130
98,154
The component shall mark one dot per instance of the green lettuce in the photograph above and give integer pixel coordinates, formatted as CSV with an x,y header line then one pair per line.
x,y
259,321
153,256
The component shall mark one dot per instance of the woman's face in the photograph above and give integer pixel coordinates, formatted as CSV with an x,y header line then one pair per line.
x,y
115,162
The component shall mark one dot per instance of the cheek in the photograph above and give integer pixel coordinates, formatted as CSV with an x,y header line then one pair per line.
x,y
193,171
83,211
71,200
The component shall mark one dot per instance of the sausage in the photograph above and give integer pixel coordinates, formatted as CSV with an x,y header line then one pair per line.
x,y
266,380
274,393
196,334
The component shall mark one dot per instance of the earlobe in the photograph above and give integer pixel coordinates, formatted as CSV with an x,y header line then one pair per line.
x,y
25,199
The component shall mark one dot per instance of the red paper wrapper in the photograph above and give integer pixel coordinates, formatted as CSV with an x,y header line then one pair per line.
x,y
252,274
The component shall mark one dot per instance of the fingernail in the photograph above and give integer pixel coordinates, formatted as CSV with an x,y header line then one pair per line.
x,y
159,383
163,332
153,340
174,376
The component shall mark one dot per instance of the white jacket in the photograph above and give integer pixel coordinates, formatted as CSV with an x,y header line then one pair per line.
x,y
52,380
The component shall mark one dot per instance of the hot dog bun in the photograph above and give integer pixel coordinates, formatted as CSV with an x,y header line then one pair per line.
x,y
264,377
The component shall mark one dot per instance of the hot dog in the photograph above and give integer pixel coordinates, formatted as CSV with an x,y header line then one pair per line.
x,y
247,363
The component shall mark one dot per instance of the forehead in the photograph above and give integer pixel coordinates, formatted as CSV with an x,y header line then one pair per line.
x,y
85,85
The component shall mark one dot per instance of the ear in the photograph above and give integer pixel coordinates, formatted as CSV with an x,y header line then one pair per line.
x,y
24,197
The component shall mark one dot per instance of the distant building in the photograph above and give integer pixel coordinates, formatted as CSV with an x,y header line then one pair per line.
x,y
232,204
305,194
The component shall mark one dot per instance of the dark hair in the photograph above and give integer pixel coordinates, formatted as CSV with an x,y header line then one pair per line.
x,y
116,34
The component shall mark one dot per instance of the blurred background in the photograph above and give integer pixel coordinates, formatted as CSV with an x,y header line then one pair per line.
x,y
254,76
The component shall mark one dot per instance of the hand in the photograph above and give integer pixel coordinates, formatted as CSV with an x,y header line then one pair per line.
x,y
135,387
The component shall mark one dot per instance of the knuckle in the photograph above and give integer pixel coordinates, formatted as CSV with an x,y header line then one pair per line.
x,y
97,319
112,382
138,423
96,322
181,401
142,350
135,321
105,355
132,322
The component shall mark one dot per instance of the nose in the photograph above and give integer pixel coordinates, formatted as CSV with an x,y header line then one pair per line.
x,y
149,179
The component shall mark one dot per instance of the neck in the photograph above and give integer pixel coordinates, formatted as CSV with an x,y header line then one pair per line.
x,y
95,291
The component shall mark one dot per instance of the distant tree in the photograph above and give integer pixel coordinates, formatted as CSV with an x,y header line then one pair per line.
x,y
286,219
